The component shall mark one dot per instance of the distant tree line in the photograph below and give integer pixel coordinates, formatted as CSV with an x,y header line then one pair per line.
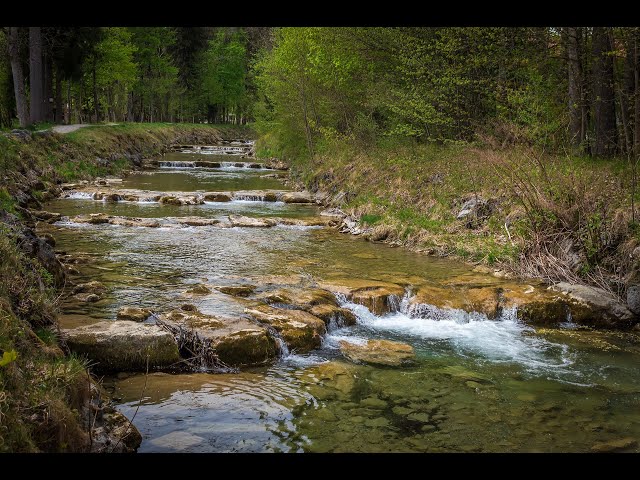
x,y
142,74
558,88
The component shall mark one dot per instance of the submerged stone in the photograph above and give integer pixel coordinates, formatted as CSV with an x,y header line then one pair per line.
x,y
615,445
134,314
199,290
379,352
237,290
89,287
86,297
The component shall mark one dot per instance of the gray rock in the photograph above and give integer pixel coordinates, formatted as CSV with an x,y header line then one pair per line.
x,y
594,306
468,207
297,197
124,345
633,298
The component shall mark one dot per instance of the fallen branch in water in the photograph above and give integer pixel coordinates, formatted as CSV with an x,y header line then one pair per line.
x,y
199,353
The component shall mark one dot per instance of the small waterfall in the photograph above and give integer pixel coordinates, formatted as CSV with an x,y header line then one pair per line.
x,y
504,339
234,165
282,345
249,198
79,195
166,164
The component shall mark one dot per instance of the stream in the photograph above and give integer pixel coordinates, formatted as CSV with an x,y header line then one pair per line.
x,y
478,385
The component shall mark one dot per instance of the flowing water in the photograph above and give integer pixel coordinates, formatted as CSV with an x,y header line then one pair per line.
x,y
479,385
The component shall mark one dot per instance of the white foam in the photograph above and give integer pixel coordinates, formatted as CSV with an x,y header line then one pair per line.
x,y
298,227
79,195
504,340
304,360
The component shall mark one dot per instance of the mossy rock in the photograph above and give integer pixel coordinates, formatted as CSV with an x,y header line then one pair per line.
x,y
124,346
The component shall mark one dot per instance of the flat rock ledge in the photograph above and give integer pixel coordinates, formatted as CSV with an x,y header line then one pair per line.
x,y
124,345
379,352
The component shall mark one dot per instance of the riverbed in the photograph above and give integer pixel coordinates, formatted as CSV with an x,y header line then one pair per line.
x,y
478,384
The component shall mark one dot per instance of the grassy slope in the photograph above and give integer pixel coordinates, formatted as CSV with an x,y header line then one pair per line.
x,y
411,195
41,389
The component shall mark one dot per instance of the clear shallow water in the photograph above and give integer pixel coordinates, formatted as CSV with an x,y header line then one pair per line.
x,y
478,385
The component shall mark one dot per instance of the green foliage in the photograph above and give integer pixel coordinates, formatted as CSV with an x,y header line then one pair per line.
x,y
223,74
7,203
116,70
8,357
431,84
370,219
158,77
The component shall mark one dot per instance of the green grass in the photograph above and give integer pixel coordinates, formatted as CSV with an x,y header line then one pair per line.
x,y
7,203
370,219
42,391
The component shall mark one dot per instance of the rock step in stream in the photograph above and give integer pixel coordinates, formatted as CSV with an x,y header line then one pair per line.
x,y
289,318
193,221
185,198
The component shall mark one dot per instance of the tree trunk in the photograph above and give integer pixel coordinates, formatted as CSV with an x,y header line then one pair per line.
x,y
18,77
636,119
35,74
67,110
96,106
604,112
574,71
58,110
48,87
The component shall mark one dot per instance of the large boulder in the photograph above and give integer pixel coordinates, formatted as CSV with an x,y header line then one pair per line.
x,y
300,330
182,199
124,345
301,298
236,341
595,306
217,196
535,304
379,352
378,297
320,303
297,197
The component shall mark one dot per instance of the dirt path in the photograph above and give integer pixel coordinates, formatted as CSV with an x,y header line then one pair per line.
x,y
76,126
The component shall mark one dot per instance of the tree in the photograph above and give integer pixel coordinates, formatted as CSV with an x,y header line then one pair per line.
x,y
157,74
574,76
7,102
36,75
18,76
115,71
604,113
223,77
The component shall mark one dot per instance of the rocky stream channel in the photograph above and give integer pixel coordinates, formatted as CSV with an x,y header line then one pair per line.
x,y
227,313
